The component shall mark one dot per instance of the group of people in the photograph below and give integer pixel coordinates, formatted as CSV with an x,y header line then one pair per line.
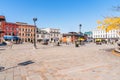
x,y
55,41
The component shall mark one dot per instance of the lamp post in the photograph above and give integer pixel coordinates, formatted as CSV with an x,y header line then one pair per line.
x,y
80,28
80,32
35,19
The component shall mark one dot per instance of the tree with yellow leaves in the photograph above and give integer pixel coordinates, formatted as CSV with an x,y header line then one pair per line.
x,y
109,23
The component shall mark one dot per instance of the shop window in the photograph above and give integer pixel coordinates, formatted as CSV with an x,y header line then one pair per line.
x,y
23,39
26,40
28,29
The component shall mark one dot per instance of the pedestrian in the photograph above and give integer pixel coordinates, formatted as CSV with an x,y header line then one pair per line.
x,y
76,43
58,42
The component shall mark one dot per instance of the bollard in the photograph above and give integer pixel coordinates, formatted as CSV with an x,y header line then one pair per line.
x,y
76,44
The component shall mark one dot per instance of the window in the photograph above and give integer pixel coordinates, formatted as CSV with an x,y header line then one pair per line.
x,y
7,28
26,40
23,39
20,34
17,29
23,34
37,36
26,30
28,34
29,30
12,28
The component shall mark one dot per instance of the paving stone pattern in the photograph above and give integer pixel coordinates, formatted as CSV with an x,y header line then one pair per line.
x,y
65,62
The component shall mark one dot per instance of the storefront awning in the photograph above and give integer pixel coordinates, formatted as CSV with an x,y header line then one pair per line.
x,y
11,37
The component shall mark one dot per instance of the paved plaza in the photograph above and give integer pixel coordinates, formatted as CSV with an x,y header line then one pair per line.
x,y
65,62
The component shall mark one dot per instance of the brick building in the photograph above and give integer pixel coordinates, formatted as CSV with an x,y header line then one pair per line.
x,y
9,30
26,32
16,31
2,18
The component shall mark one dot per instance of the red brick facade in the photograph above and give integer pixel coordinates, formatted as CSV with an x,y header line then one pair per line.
x,y
7,28
10,28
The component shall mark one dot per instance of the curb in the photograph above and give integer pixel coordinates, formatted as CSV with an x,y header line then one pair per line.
x,y
115,53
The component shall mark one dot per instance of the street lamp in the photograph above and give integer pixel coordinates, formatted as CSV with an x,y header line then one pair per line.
x,y
35,19
80,32
80,28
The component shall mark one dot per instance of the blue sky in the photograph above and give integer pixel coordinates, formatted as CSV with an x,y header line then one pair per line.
x,y
63,14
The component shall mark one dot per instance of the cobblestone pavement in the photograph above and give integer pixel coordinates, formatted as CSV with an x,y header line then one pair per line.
x,y
66,62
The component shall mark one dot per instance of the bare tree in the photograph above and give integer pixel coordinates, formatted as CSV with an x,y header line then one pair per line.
x,y
116,8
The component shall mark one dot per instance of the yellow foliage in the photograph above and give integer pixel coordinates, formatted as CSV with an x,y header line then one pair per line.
x,y
109,23
109,28
103,27
99,27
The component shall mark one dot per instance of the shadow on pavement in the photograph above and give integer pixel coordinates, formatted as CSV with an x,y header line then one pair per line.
x,y
19,64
